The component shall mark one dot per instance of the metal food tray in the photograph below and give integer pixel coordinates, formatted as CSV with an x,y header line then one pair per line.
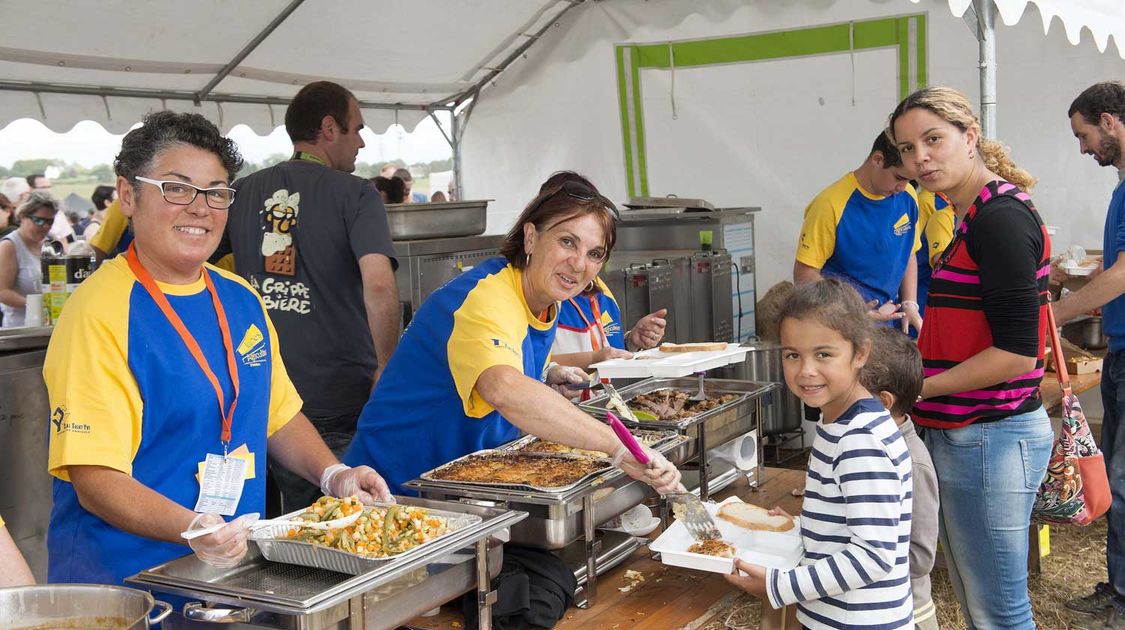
x,y
748,389
588,477
278,549
436,220
661,438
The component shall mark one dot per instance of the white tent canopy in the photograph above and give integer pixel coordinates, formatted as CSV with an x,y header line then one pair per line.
x,y
240,61
1102,18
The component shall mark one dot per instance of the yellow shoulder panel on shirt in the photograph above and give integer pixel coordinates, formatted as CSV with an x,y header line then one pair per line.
x,y
601,285
939,233
488,330
95,403
285,402
818,233
111,230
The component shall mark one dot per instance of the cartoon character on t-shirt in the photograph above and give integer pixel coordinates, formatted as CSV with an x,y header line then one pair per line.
x,y
277,244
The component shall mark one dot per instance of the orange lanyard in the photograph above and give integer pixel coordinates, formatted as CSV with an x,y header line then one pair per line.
x,y
595,341
189,340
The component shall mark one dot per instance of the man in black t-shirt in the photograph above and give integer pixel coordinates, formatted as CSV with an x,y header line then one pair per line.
x,y
313,240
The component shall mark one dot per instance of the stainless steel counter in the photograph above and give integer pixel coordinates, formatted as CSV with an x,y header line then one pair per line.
x,y
25,486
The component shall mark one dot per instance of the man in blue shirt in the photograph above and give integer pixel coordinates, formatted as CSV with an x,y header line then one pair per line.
x,y
1097,118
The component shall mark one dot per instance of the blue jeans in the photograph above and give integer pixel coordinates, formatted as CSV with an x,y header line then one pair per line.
x,y
988,474
1113,449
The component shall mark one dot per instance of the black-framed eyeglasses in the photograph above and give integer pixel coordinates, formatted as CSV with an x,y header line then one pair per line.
x,y
40,221
183,193
577,190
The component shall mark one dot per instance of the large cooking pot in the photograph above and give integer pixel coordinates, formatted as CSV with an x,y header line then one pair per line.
x,y
78,607
1085,332
781,409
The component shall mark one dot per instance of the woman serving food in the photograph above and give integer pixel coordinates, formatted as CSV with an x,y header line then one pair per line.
x,y
472,370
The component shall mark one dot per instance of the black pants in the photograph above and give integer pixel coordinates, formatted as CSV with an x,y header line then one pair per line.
x,y
295,492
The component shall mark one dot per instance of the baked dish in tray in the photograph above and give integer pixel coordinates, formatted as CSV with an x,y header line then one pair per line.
x,y
539,471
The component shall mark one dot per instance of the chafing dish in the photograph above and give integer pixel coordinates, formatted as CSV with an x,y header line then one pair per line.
x,y
559,517
435,220
706,430
265,594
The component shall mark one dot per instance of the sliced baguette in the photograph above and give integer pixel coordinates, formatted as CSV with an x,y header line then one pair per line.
x,y
693,347
750,516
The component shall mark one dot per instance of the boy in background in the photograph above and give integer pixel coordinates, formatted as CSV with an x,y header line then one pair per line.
x,y
894,375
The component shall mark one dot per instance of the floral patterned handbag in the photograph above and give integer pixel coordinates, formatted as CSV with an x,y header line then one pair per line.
x,y
1076,488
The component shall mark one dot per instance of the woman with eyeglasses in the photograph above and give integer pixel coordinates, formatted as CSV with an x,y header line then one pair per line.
x,y
20,273
471,371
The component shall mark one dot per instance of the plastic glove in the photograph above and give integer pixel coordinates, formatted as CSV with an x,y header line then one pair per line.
x,y
649,331
659,473
341,480
224,548
559,376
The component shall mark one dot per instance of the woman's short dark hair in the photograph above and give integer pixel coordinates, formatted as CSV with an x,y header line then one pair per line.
x,y
393,187
1106,97
832,304
102,196
37,201
309,107
894,366
550,208
166,129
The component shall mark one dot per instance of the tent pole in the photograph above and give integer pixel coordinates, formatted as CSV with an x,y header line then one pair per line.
x,y
455,143
986,36
246,50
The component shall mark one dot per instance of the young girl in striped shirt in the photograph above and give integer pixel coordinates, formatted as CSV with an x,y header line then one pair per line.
x,y
855,521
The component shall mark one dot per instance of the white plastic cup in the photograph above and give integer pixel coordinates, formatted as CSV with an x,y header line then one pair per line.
x,y
33,312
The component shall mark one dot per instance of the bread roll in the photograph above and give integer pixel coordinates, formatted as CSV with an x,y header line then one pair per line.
x,y
750,516
693,347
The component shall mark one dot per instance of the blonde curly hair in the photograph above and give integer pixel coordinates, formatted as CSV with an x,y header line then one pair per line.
x,y
953,107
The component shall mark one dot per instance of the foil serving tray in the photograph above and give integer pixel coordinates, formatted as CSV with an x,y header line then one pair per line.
x,y
608,468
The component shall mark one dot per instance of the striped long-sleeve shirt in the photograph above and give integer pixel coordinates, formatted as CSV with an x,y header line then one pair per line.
x,y
855,525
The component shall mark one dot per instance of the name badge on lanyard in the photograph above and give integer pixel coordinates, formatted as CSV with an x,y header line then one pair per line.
x,y
220,485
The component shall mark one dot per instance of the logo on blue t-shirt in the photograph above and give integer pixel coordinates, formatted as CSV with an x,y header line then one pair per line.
x,y
903,225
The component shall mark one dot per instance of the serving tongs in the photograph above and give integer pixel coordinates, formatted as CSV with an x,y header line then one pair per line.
x,y
692,513
618,403
336,523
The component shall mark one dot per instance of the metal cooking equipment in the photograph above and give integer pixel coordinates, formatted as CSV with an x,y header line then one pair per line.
x,y
645,235
436,220
425,265
586,479
781,411
559,517
646,288
1085,332
711,299
707,430
85,606
273,595
25,486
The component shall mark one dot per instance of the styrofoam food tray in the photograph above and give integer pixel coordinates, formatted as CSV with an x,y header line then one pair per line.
x,y
669,364
776,550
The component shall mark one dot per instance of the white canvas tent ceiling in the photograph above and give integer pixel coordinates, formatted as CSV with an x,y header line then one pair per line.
x,y
239,61
110,61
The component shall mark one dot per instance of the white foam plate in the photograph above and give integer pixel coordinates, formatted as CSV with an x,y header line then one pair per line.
x,y
776,550
669,364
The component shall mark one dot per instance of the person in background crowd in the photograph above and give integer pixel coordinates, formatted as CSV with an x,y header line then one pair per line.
x,y
62,231
894,375
472,370
7,215
935,219
16,189
590,328
20,271
408,179
102,197
1097,118
855,520
114,235
864,230
982,349
13,568
126,443
438,197
388,170
391,189
314,240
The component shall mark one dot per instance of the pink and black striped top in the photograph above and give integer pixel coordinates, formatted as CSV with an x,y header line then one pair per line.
x,y
990,289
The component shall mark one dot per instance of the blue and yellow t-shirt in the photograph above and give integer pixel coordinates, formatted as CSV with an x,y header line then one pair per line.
x,y
860,237
577,329
425,410
936,218
125,393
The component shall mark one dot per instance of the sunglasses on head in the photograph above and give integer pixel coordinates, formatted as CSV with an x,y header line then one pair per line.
x,y
40,221
582,192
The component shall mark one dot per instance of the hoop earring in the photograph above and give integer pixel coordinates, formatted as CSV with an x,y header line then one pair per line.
x,y
527,260
972,155
590,287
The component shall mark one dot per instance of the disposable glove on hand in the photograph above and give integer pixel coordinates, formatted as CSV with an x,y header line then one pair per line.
x,y
341,480
659,473
224,548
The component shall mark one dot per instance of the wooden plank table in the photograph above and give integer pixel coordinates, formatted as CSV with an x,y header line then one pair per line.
x,y
669,597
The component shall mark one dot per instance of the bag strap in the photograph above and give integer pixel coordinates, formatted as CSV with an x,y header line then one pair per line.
x,y
1056,353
